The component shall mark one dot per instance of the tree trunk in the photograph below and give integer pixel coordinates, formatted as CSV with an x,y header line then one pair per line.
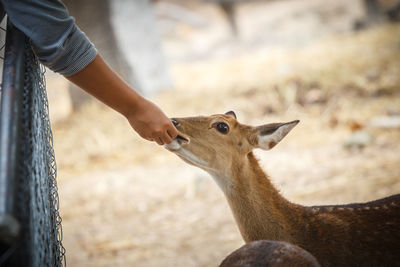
x,y
94,18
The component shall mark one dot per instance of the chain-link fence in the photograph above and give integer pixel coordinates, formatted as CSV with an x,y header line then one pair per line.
x,y
3,24
30,224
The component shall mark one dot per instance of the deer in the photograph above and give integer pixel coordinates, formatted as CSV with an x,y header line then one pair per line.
x,y
267,253
357,234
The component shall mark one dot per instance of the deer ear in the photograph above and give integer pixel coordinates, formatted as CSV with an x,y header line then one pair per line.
x,y
271,134
231,113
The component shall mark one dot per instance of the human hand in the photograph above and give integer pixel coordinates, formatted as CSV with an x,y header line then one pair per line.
x,y
151,123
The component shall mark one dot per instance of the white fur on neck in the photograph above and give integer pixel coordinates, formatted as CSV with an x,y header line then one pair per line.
x,y
223,181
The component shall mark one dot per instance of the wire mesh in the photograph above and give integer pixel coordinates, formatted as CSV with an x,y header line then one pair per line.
x,y
3,28
37,202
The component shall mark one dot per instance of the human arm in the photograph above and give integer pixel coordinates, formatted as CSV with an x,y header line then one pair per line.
x,y
99,80
64,48
56,40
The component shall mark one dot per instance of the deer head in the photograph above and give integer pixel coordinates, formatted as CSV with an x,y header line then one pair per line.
x,y
219,144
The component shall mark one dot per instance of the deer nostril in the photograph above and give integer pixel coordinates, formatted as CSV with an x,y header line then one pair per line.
x,y
175,122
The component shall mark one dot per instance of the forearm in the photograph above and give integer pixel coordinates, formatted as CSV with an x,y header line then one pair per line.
x,y
61,46
145,117
99,80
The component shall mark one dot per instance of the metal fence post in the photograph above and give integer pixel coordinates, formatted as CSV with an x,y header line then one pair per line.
x,y
10,117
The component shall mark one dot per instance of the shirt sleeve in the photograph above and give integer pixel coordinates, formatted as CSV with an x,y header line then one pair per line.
x,y
59,44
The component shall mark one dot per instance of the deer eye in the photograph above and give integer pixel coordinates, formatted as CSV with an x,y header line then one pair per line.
x,y
222,127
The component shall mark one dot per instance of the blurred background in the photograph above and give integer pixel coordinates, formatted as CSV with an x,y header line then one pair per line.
x,y
335,65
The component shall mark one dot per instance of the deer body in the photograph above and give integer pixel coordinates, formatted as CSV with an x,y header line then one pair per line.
x,y
267,253
365,234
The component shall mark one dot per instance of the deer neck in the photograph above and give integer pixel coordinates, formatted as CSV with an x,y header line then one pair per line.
x,y
259,210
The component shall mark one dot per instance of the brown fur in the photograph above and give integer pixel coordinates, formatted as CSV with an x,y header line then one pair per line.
x,y
365,234
265,253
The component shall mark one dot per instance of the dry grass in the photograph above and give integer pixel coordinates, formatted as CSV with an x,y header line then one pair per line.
x,y
126,202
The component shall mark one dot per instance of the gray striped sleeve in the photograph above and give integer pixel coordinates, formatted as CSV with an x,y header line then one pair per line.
x,y
74,54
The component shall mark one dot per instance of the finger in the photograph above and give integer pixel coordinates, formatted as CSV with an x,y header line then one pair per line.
x,y
166,138
172,132
159,141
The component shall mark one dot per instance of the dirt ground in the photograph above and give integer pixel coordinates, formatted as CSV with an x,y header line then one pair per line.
x,y
127,202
